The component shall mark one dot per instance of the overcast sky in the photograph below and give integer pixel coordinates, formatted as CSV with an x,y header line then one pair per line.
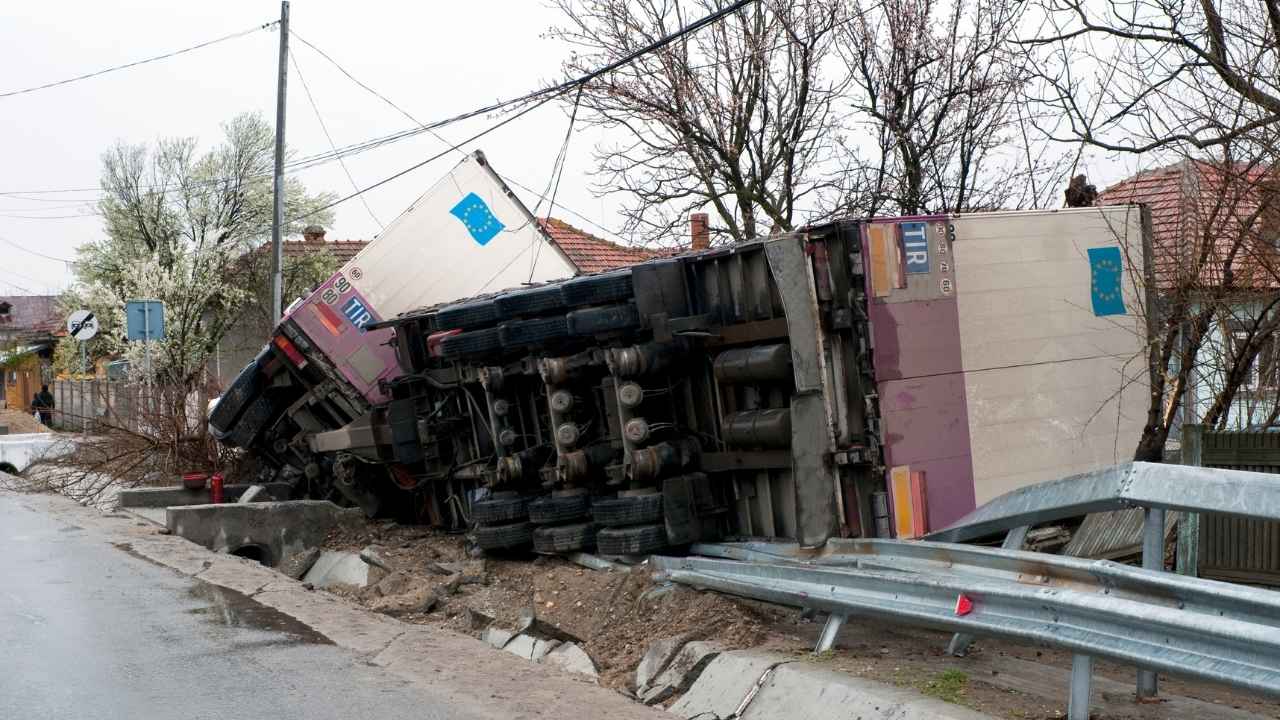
x,y
433,59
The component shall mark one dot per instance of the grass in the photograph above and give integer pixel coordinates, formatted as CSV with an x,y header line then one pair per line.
x,y
948,685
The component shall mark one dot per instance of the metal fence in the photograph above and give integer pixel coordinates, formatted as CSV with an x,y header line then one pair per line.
x,y
87,405
1224,547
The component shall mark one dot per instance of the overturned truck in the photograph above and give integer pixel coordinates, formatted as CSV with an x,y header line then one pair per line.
x,y
857,378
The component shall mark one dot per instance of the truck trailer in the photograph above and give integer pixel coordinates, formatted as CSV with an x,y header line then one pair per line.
x,y
854,378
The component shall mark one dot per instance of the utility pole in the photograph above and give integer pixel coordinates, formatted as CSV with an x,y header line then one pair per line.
x,y
277,219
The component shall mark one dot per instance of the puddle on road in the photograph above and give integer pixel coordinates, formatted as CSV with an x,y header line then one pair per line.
x,y
233,609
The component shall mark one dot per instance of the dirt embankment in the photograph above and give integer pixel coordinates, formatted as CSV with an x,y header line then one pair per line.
x,y
19,421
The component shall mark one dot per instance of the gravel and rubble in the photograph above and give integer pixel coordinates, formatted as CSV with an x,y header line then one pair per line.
x,y
616,615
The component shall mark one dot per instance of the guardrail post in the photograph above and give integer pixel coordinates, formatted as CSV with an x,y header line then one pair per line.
x,y
1189,523
827,639
961,642
1152,559
1081,687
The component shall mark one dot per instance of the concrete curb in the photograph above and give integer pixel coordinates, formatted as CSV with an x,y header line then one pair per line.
x,y
458,670
752,685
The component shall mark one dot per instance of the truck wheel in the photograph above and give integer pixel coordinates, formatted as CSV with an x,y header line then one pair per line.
x,y
627,510
597,320
499,510
234,401
597,289
476,342
555,539
467,315
250,423
553,509
636,540
533,332
499,537
534,301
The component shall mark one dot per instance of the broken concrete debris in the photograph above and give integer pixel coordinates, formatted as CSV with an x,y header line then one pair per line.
x,y
338,568
657,658
568,656
373,555
680,673
297,564
253,494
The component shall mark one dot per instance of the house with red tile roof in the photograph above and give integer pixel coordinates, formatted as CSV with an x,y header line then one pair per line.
x,y
1215,234
588,253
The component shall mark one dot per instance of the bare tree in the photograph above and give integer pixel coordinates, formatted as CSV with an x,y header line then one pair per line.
x,y
1196,85
936,87
738,117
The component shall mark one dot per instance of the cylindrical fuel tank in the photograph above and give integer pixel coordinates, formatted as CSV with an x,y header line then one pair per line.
x,y
758,428
762,363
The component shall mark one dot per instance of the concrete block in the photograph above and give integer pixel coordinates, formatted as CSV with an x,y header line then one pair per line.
x,y
337,568
20,450
529,647
297,564
723,684
799,690
570,657
171,496
656,659
272,530
252,494
687,665
497,637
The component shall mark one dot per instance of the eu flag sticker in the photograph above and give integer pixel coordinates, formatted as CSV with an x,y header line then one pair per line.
x,y
1105,269
477,217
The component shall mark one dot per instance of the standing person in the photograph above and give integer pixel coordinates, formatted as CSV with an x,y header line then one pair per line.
x,y
42,403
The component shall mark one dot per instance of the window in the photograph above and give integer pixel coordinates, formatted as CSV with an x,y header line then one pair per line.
x,y
1263,371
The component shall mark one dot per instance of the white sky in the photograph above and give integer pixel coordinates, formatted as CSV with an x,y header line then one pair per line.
x,y
432,59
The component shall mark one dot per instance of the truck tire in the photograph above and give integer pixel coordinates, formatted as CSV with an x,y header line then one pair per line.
x,y
555,539
598,320
627,510
553,509
250,423
467,315
533,301
475,342
235,400
597,289
502,537
499,510
636,540
533,332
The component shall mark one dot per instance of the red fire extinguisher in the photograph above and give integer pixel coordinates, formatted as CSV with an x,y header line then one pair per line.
x,y
215,488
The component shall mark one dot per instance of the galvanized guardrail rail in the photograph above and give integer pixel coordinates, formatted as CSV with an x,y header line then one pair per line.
x,y
1161,621
1155,620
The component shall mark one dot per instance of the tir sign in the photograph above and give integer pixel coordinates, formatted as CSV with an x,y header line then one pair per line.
x,y
915,247
356,312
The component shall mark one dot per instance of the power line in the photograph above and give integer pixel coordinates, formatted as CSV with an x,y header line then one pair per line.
x,y
136,63
9,242
539,195
320,118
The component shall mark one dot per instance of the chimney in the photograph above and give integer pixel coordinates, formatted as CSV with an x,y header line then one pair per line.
x,y
699,231
313,234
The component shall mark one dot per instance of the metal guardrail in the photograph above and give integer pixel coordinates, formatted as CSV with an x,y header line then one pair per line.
x,y
1159,621
1146,485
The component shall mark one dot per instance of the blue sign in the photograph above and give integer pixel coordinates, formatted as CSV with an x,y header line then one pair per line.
x,y
915,246
144,320
1106,271
357,313
478,219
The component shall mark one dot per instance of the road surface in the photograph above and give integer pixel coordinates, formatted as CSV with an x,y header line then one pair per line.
x,y
89,631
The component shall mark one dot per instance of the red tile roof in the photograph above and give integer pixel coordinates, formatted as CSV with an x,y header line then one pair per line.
x,y
31,315
342,250
589,253
1205,219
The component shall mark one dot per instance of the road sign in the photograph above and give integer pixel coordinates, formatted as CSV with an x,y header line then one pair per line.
x,y
82,325
144,319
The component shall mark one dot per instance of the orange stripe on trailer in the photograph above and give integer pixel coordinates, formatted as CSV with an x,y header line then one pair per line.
x,y
904,522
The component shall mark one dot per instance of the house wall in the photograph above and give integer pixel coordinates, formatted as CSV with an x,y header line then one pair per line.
x,y
22,380
1253,404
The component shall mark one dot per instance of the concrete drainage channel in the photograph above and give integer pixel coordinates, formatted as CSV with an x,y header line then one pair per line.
x,y
698,679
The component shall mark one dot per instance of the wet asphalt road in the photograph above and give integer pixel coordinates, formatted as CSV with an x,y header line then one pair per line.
x,y
90,631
